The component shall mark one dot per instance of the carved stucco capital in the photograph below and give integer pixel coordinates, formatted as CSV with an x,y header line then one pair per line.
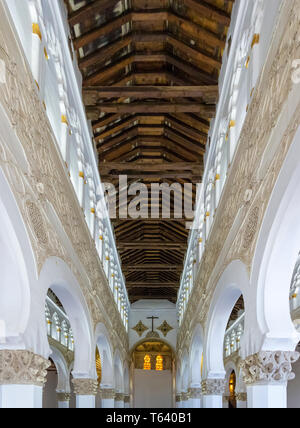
x,y
185,396
213,387
22,368
127,399
85,386
269,367
241,396
119,397
178,398
63,396
108,394
195,393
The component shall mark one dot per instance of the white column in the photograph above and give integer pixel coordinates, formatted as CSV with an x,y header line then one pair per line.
x,y
86,391
22,387
225,402
85,401
108,398
213,391
119,401
196,397
266,375
241,400
21,397
63,400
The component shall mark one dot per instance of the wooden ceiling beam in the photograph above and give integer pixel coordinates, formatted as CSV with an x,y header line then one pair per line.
x,y
92,95
148,16
208,11
154,166
91,9
131,285
147,245
207,111
101,76
149,267
105,53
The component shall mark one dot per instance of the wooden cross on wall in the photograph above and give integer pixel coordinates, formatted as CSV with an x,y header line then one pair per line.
x,y
152,318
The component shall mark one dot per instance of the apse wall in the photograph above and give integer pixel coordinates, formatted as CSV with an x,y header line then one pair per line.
x,y
152,389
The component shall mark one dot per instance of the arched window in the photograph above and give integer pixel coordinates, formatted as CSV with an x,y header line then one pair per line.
x,y
98,366
147,362
159,363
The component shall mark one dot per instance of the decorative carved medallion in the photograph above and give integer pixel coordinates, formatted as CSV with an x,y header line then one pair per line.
x,y
268,366
140,328
22,368
85,386
213,387
165,328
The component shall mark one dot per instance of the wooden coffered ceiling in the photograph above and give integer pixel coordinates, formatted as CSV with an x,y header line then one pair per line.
x,y
150,85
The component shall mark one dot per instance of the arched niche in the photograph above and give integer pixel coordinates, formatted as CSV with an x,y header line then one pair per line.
x,y
104,347
274,261
233,283
57,276
18,271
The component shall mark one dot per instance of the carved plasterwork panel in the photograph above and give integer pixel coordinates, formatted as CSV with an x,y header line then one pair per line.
x,y
41,182
269,98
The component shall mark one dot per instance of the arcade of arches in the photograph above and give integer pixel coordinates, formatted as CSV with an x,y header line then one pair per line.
x,y
193,301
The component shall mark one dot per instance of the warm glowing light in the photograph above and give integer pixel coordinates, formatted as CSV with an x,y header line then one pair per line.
x,y
159,363
147,362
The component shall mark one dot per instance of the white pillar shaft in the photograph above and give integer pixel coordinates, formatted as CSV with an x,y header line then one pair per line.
x,y
108,403
196,403
63,404
179,404
21,397
190,403
270,396
241,404
119,404
212,402
85,401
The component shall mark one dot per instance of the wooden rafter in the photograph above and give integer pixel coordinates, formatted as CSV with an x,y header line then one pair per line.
x,y
150,86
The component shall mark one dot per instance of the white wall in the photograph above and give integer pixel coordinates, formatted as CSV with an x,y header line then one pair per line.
x,y
152,389
163,309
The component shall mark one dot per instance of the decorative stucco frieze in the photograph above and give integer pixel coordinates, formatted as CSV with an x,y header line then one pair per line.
x,y
270,96
85,386
22,368
42,183
213,387
269,367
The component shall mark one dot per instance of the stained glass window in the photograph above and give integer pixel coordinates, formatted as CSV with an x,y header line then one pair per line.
x,y
147,362
159,363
